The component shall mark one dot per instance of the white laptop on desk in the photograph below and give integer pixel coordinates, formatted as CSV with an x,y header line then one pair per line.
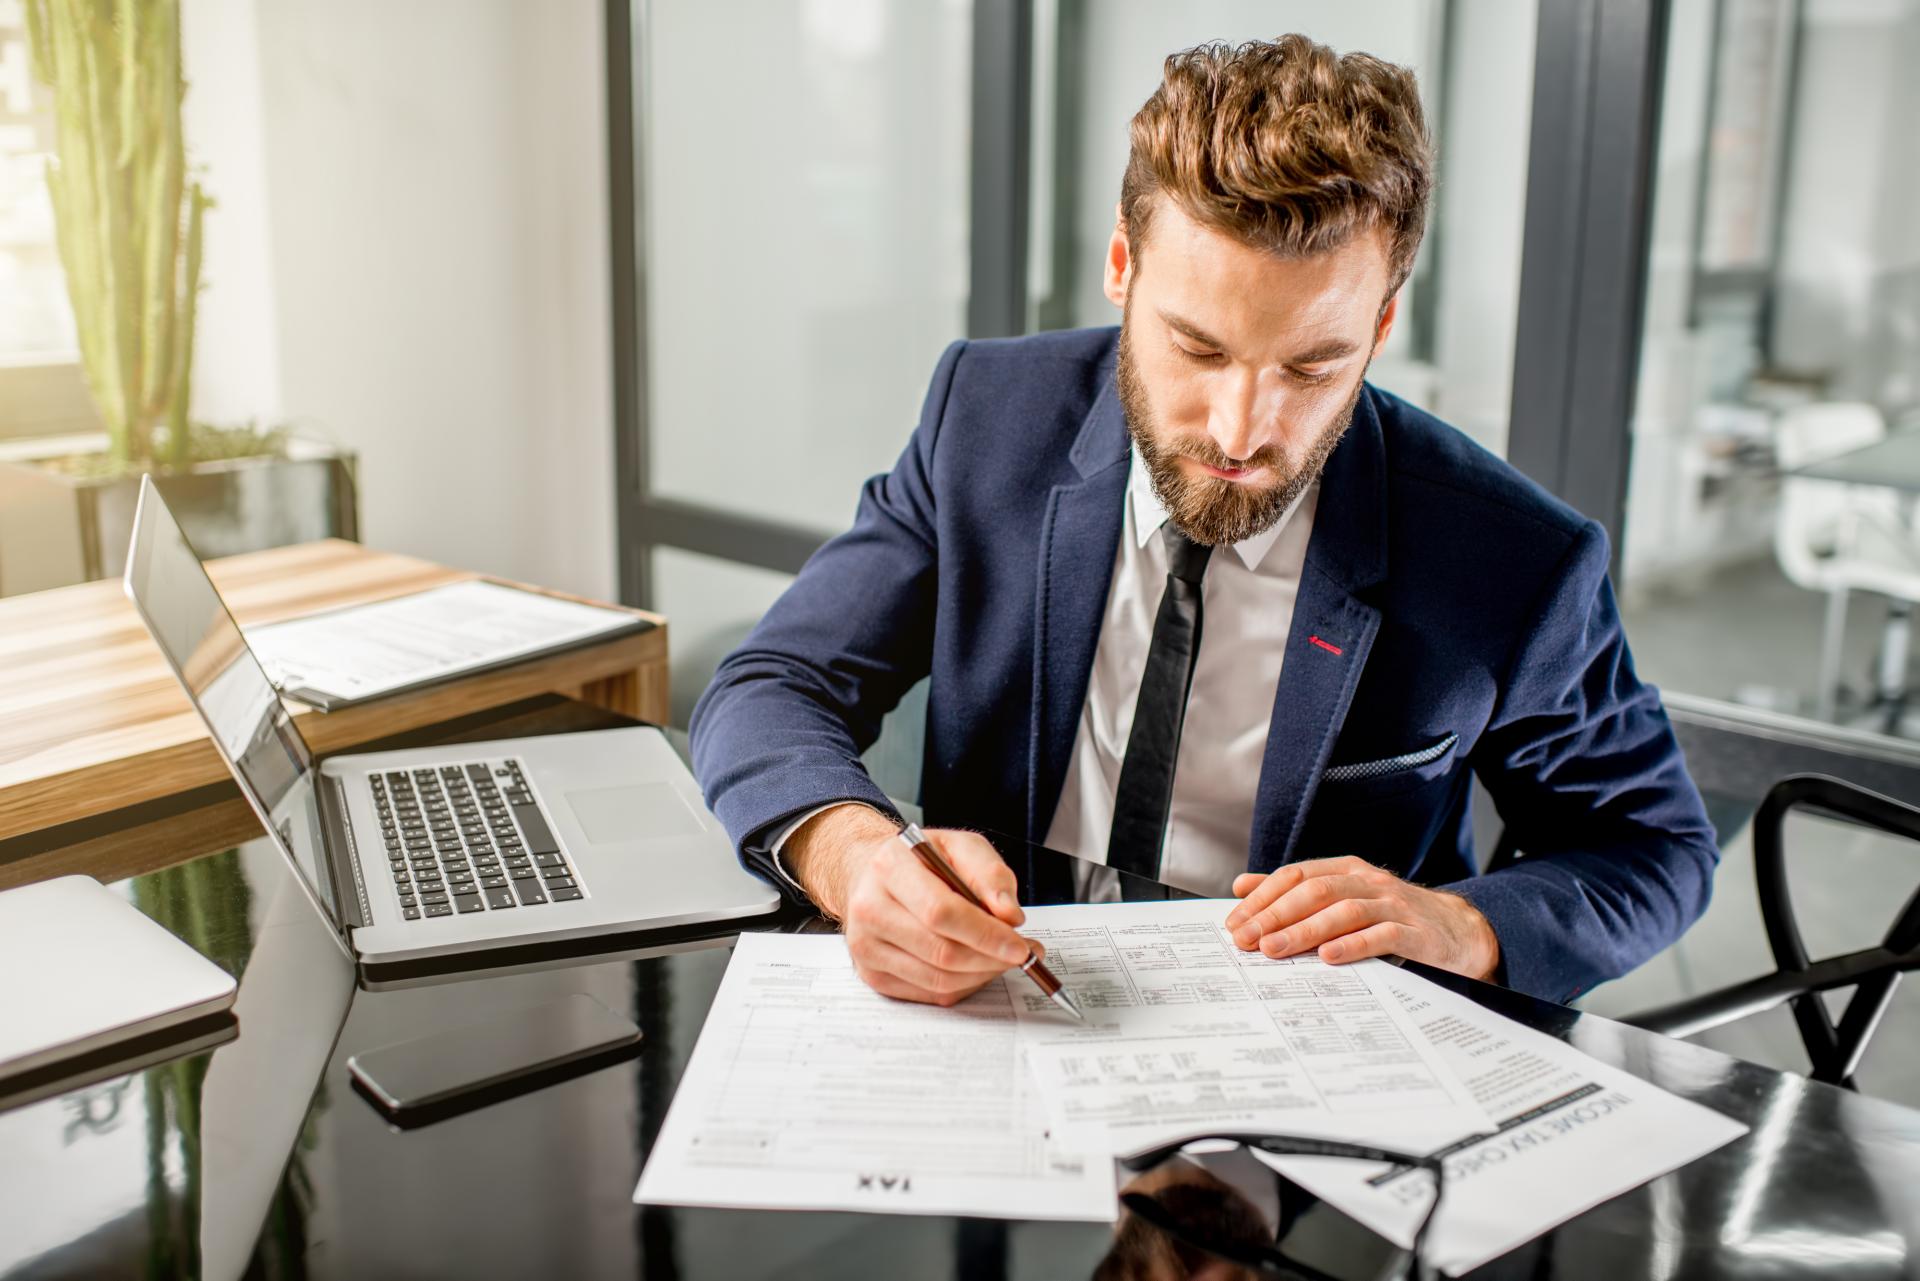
x,y
83,970
431,860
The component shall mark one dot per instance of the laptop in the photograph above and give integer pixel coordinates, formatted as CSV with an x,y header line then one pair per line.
x,y
87,980
442,859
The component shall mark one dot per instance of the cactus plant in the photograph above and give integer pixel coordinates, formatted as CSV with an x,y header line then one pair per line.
x,y
127,220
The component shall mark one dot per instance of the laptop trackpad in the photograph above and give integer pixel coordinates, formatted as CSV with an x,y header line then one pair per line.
x,y
632,812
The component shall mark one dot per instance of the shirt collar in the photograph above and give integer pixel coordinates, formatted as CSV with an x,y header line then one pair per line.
x,y
1149,515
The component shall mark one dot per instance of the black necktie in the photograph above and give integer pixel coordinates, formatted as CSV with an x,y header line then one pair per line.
x,y
1146,775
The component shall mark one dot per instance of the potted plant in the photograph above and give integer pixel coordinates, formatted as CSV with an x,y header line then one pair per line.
x,y
129,224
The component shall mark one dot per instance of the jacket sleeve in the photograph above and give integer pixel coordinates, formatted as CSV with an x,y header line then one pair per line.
x,y
1617,852
781,728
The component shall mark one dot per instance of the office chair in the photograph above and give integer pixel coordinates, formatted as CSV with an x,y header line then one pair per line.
x,y
1833,1048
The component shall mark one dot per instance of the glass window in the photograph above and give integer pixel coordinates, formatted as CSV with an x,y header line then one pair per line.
x,y
36,321
1781,339
805,180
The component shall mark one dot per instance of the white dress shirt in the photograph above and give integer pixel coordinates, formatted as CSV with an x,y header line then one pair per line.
x,y
1246,602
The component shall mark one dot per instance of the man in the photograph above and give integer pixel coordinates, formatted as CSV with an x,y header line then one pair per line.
x,y
1198,602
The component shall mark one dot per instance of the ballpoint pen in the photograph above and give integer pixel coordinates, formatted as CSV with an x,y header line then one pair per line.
x,y
1034,968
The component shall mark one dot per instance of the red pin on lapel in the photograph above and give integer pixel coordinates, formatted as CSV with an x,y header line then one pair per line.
x,y
1330,648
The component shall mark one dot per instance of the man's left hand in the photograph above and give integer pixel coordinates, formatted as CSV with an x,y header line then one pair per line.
x,y
1349,909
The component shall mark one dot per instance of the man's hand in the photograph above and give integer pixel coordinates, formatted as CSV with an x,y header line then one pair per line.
x,y
1349,909
911,937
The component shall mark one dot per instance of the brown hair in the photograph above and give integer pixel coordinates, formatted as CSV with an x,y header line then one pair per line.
x,y
1286,146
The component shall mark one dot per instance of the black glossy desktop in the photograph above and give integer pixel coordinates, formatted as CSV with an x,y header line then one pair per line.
x,y
257,1158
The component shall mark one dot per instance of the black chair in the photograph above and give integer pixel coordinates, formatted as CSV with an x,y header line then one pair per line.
x,y
1833,1049
1759,766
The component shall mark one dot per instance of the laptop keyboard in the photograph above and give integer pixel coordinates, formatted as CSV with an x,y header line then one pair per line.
x,y
468,838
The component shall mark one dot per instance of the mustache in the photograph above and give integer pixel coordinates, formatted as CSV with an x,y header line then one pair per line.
x,y
1205,451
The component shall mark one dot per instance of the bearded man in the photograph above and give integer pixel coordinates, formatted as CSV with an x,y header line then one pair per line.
x,y
1200,603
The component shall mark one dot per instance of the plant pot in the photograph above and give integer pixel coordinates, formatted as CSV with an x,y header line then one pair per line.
x,y
57,528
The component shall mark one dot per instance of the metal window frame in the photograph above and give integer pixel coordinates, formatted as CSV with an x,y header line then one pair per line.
x,y
1598,66
999,206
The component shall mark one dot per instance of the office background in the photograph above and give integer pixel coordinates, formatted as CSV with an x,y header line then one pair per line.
x,y
626,299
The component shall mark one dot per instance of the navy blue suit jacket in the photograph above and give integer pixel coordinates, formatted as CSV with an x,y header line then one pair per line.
x,y
1464,615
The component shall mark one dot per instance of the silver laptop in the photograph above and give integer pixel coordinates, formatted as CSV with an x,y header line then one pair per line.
x,y
429,859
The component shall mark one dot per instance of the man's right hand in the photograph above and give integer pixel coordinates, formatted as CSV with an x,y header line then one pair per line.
x,y
911,937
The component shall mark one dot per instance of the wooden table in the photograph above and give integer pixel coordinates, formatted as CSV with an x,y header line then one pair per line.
x,y
96,736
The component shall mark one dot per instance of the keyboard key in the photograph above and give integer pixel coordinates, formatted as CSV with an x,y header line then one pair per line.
x,y
530,892
559,883
438,909
411,913
468,903
534,828
521,873
565,896
498,899
549,860
494,882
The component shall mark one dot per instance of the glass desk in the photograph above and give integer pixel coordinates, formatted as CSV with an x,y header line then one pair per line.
x,y
1892,461
256,1157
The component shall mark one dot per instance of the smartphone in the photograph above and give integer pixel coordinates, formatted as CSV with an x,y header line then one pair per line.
x,y
448,1073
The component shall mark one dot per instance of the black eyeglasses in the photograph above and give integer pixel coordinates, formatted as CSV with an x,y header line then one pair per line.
x,y
1401,1265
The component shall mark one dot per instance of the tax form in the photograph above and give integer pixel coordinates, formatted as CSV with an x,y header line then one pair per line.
x,y
341,656
1187,1033
808,1090
1572,1132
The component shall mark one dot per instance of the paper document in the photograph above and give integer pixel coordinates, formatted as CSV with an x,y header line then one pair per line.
x,y
367,650
1573,1132
1186,1033
808,1090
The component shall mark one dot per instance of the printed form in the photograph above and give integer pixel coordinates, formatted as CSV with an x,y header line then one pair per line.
x,y
366,650
1572,1132
807,1090
1187,1033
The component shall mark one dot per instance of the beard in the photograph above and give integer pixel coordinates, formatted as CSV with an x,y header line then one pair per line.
x,y
1211,509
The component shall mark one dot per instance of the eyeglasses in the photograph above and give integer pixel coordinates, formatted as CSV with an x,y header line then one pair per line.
x,y
1402,1265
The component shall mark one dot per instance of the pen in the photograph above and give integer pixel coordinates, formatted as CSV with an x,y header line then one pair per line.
x,y
1034,968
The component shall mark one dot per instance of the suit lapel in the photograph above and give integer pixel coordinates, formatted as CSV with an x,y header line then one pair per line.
x,y
1080,531
1333,630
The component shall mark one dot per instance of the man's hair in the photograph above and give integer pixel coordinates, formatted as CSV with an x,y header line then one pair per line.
x,y
1286,146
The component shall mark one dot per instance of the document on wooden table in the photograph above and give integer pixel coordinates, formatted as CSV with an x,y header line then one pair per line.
x,y
343,656
1185,1033
1572,1132
808,1090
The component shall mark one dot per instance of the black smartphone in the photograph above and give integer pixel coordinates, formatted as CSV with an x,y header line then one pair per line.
x,y
447,1073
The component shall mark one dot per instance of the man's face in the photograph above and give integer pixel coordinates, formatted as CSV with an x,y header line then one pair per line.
x,y
1239,370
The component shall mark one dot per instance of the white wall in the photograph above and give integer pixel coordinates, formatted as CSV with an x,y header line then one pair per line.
x,y
419,268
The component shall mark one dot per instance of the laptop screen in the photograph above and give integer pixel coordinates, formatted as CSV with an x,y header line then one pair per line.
x,y
228,687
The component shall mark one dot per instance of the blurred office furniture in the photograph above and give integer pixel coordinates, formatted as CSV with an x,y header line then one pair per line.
x,y
1834,1048
95,722
1840,529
